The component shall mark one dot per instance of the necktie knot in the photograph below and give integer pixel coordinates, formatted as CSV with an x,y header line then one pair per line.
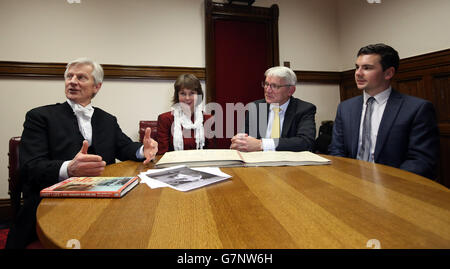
x,y
370,100
85,112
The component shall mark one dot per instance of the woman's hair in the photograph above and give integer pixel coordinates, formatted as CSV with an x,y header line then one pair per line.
x,y
187,81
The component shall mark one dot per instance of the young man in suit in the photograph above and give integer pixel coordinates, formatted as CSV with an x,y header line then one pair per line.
x,y
70,139
279,121
383,125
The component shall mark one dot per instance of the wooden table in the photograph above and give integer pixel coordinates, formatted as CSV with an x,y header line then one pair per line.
x,y
342,205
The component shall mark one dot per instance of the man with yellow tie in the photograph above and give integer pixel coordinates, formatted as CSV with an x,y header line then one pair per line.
x,y
279,121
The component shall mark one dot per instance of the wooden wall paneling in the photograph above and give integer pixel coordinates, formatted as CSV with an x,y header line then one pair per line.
x,y
348,87
56,70
411,86
9,69
443,169
441,90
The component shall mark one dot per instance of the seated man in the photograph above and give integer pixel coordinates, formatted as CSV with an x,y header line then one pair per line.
x,y
70,139
383,125
280,121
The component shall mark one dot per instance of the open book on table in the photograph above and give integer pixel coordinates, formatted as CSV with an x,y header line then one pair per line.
x,y
230,158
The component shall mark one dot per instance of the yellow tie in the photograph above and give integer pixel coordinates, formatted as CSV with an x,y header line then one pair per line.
x,y
276,123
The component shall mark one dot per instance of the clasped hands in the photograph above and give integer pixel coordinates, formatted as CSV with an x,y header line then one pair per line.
x,y
244,142
84,164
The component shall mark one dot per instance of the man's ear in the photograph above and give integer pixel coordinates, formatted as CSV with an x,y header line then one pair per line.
x,y
291,90
389,73
97,87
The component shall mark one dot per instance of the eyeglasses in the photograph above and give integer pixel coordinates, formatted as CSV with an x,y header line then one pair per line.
x,y
273,86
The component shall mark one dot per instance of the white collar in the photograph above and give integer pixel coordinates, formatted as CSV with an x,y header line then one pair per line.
x,y
381,97
283,107
78,109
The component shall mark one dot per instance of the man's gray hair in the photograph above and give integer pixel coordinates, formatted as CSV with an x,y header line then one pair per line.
x,y
97,69
282,72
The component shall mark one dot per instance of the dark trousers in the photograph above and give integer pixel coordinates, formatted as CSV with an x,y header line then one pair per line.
x,y
23,231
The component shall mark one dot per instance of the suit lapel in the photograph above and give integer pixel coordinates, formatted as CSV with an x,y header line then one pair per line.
x,y
288,117
262,122
95,122
390,114
355,122
71,120
70,124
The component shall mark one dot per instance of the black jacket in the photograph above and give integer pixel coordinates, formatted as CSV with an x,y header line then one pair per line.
x,y
51,136
299,127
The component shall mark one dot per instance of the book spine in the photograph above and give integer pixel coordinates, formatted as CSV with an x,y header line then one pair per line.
x,y
79,194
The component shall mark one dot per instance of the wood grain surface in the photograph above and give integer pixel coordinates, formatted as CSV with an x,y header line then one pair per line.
x,y
342,205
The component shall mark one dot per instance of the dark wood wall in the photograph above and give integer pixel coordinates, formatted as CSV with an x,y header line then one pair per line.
x,y
426,76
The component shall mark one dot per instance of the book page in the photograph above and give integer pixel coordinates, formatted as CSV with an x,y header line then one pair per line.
x,y
183,178
207,155
282,156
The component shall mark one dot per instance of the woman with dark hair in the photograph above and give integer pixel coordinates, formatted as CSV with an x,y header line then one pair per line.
x,y
183,127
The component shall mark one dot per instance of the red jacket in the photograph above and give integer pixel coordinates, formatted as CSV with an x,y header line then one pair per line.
x,y
165,139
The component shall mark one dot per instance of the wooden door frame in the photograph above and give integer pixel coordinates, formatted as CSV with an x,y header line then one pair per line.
x,y
214,11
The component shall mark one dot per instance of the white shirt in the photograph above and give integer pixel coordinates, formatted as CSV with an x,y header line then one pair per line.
x,y
379,106
268,144
84,115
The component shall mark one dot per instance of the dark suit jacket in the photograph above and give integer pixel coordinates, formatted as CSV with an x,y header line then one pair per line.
x,y
165,138
51,136
299,126
408,136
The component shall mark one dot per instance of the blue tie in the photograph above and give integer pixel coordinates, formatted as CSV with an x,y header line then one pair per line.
x,y
366,142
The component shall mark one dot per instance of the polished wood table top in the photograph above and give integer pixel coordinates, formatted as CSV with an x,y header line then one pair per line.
x,y
348,204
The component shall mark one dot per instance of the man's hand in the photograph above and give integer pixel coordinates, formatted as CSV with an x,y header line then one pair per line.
x,y
150,146
85,164
244,142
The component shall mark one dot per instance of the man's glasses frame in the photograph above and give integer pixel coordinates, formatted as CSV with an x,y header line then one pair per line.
x,y
273,86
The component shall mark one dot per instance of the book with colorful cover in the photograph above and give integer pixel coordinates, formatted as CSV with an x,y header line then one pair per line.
x,y
91,187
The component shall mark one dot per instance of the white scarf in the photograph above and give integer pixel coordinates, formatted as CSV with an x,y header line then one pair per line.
x,y
182,120
84,115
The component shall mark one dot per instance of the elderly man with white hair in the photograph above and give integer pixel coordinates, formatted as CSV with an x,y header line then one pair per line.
x,y
70,139
279,121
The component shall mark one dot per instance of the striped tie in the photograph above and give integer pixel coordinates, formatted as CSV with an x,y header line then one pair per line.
x,y
366,142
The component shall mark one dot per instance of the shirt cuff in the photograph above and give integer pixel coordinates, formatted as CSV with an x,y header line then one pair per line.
x,y
63,174
140,153
268,144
